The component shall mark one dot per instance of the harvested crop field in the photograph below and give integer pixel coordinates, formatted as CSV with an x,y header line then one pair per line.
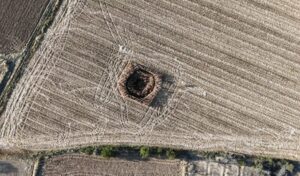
x,y
229,70
18,20
89,165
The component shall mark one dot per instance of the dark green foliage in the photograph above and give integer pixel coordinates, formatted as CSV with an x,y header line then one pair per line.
x,y
87,150
241,162
171,154
159,151
211,155
144,152
107,151
266,163
258,164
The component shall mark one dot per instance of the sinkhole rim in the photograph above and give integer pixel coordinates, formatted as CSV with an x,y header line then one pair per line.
x,y
139,83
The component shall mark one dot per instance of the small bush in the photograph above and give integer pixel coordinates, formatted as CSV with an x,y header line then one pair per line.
x,y
241,162
171,154
144,152
107,152
87,150
289,167
159,151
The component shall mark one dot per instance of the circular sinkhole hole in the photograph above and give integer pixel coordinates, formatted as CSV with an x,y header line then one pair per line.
x,y
139,83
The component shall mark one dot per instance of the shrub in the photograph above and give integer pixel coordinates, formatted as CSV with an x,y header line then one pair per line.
x,y
87,150
241,162
159,151
144,152
171,154
289,167
107,152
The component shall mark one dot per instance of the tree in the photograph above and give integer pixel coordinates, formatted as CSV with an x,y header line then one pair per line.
x,y
171,154
241,162
144,152
159,151
87,150
107,151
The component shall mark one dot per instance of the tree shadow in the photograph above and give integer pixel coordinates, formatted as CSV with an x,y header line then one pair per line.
x,y
11,66
7,168
165,93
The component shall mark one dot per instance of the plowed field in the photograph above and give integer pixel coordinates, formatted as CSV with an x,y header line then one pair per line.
x,y
87,165
18,20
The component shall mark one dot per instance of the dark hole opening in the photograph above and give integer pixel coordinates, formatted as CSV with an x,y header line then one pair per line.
x,y
140,83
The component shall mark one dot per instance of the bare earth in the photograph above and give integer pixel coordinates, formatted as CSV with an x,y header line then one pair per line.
x,y
89,165
202,168
18,20
231,77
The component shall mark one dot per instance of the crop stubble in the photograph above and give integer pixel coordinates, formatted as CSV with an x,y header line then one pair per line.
x,y
89,165
230,77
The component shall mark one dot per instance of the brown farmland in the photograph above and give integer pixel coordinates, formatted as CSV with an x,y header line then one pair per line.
x,y
230,77
89,165
18,20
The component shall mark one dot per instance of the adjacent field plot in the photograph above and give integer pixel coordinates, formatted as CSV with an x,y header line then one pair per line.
x,y
230,77
201,168
88,165
18,20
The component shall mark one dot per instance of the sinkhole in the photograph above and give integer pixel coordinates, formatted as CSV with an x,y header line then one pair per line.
x,y
139,83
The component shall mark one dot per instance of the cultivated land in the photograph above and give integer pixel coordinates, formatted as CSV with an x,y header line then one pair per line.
x,y
18,20
88,165
230,77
